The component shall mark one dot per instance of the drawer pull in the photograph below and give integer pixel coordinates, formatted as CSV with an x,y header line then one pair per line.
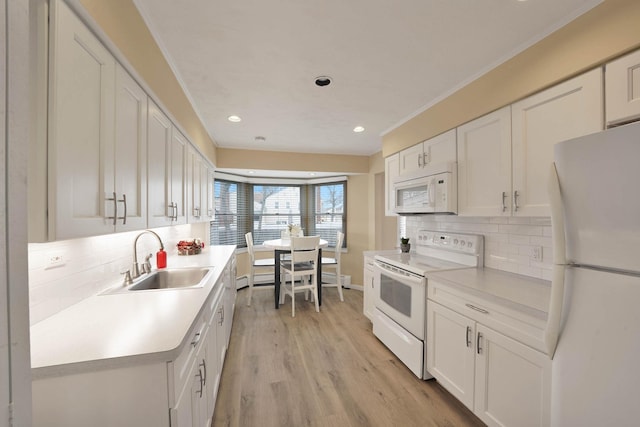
x,y
473,307
200,378
468,338
196,338
478,348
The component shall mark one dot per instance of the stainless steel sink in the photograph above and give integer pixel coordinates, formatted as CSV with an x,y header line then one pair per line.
x,y
172,279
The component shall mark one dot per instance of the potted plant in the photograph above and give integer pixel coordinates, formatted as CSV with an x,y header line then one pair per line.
x,y
405,246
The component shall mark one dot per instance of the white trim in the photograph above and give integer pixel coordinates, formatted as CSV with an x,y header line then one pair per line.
x,y
288,181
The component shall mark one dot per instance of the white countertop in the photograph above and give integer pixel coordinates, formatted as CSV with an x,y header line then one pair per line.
x,y
114,329
509,288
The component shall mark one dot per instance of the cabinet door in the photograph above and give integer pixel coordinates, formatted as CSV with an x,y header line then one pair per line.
x,y
211,204
178,175
513,382
440,149
205,186
411,159
81,123
194,185
450,351
391,171
569,110
159,212
368,289
622,83
484,165
130,154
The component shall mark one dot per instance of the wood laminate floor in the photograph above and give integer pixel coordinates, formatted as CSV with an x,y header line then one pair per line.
x,y
322,369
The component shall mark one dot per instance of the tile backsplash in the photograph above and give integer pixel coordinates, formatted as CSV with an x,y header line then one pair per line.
x,y
91,265
508,241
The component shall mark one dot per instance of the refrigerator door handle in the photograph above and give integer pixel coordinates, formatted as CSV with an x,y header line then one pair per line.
x,y
557,217
554,316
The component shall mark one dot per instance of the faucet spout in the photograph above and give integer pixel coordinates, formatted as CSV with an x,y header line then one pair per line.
x,y
135,271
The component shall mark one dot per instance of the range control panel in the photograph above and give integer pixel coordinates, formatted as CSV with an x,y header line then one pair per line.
x,y
466,243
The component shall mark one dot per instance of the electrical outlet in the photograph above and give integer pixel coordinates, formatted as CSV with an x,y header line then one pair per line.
x,y
54,259
536,253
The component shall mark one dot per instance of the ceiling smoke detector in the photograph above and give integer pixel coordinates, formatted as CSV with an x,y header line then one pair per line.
x,y
260,139
323,81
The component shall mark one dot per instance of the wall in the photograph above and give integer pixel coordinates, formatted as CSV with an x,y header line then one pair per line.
x,y
507,241
608,30
277,160
92,265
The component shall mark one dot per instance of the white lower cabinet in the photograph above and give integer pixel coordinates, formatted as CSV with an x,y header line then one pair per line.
x,y
368,288
504,382
180,392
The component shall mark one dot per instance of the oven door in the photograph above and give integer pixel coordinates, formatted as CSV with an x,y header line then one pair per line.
x,y
401,296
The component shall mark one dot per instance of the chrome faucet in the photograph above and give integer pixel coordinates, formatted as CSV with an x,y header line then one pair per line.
x,y
146,268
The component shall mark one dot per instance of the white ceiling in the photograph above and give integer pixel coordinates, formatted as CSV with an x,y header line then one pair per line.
x,y
388,60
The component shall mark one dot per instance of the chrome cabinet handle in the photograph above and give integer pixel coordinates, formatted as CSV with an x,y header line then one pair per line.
x,y
504,196
221,313
173,216
204,369
426,158
419,160
515,200
481,310
124,201
115,208
468,338
199,374
478,348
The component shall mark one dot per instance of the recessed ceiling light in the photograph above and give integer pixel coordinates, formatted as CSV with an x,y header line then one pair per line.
x,y
312,174
323,81
252,172
358,129
234,119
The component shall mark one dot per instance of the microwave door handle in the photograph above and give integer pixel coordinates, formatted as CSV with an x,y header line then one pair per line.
x,y
432,192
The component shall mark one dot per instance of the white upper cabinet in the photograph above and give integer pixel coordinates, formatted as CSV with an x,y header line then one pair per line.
x,y
129,155
167,174
484,165
622,82
208,208
391,171
439,149
194,187
159,210
568,110
81,129
178,164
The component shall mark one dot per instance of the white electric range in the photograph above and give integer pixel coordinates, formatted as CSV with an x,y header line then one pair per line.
x,y
399,318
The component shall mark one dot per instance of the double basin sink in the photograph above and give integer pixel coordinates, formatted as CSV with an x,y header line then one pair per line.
x,y
177,278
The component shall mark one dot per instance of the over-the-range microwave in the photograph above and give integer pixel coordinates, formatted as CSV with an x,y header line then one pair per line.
x,y
431,190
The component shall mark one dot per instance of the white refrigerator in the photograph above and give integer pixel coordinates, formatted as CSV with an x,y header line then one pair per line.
x,y
593,332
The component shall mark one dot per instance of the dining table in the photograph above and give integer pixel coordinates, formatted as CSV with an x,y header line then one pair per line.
x,y
283,246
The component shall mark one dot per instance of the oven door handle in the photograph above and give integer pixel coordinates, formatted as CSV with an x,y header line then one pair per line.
x,y
412,278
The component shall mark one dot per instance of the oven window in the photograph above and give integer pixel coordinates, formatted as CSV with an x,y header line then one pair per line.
x,y
396,294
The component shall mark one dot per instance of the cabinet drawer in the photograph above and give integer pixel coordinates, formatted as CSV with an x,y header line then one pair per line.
x,y
180,367
525,327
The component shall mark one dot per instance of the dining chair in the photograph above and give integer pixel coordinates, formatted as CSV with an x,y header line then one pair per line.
x,y
334,263
303,264
266,265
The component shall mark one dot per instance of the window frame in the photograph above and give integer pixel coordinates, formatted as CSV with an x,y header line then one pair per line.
x,y
245,216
